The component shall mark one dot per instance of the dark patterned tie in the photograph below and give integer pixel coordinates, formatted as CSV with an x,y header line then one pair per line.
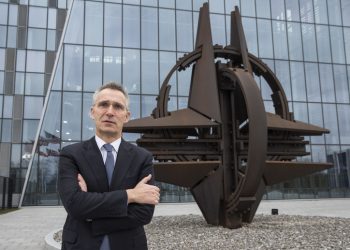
x,y
109,164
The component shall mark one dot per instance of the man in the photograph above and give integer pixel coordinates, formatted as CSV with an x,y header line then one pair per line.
x,y
107,190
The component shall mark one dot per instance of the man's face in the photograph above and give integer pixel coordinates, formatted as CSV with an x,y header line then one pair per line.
x,y
110,113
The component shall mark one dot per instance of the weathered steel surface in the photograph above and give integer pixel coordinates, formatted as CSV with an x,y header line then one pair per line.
x,y
224,146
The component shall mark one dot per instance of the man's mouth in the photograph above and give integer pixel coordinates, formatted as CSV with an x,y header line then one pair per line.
x,y
107,121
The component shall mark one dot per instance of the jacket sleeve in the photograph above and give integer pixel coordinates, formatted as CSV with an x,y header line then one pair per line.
x,y
86,205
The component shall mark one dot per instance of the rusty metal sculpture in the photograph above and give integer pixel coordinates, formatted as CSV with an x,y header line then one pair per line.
x,y
224,146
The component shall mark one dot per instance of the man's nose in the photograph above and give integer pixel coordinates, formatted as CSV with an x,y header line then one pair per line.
x,y
110,110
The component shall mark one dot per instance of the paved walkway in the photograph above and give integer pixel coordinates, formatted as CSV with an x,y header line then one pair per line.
x,y
27,227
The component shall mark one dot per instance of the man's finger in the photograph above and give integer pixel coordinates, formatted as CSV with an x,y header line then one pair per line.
x,y
146,179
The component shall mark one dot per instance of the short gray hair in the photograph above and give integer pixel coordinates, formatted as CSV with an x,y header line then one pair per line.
x,y
114,86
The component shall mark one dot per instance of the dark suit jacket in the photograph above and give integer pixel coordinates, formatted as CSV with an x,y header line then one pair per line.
x,y
103,210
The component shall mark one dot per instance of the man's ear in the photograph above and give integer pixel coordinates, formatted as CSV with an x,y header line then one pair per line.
x,y
91,114
127,117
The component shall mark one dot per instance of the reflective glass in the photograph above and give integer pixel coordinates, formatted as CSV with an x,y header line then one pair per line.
x,y
93,23
3,31
20,60
248,8
197,4
184,80
38,2
73,67
321,15
57,81
300,111
112,65
37,17
149,28
131,26
8,103
2,59
312,82
1,83
184,35
19,83
327,84
341,83
150,2
167,3
16,155
3,13
277,10
309,41
323,43
11,37
347,44
292,10
294,41
318,153
344,123
265,38
183,4
29,130
345,7
263,8
334,12
51,22
36,39
167,29
131,1
149,72
283,74
35,61
51,40
265,88
280,39
75,28
306,11
166,62
218,29
1,98
134,106
33,107
337,43
249,25
316,118
112,25
131,70
92,68
13,12
298,81
230,5
51,127
71,116
147,105
88,124
6,130
34,84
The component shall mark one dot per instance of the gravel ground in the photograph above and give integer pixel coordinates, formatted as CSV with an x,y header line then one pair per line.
x,y
265,232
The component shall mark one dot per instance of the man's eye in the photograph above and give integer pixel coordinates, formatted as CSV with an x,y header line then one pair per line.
x,y
103,104
118,107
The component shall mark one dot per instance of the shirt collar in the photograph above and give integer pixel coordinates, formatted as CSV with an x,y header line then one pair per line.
x,y
101,142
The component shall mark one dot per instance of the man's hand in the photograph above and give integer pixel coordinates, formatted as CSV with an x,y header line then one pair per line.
x,y
82,183
144,193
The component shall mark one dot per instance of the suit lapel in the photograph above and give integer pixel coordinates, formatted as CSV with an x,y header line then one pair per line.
x,y
122,164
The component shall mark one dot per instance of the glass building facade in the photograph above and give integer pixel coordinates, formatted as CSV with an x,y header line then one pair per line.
x,y
55,53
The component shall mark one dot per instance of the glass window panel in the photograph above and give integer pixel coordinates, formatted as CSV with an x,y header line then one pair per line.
x,y
151,2
2,59
52,120
318,153
131,26
34,84
132,1
183,101
36,39
51,40
249,25
149,28
71,116
167,3
167,61
316,118
248,8
294,41
3,31
29,130
1,98
88,123
184,80
344,123
277,10
73,67
334,12
113,25
51,22
172,103
167,29
38,2
92,68
197,4
300,111
1,83
283,74
341,83
345,7
184,34
312,82
57,81
265,38
327,84
75,28
35,61
20,60
330,123
321,15
12,37
147,105
347,44
93,23
280,40
131,81
13,12
298,81
6,130
216,6
218,29
8,103
112,65
230,5
183,4
337,44
292,10
3,13
323,43
309,41
33,107
263,9
19,83
62,4
149,72
16,155
306,11
135,105
37,17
